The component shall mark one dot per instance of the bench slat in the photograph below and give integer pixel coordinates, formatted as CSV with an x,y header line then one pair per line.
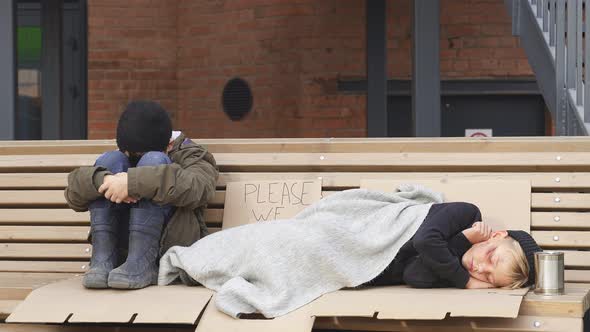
x,y
572,258
43,266
560,219
33,180
562,239
17,285
33,198
55,198
30,280
561,201
414,144
43,251
43,216
370,160
576,259
539,220
582,276
21,163
68,217
539,180
44,233
329,161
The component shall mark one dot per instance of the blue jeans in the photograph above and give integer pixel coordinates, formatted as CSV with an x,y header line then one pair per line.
x,y
117,162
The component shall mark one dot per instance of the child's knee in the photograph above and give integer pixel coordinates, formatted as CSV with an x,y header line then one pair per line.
x,y
154,158
114,161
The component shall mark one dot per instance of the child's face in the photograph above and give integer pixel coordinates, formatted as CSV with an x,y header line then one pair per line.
x,y
490,261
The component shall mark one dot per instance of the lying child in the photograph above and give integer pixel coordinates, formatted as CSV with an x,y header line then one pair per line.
x,y
352,238
453,248
143,198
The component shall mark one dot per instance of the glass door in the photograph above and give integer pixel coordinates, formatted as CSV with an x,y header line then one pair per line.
x,y
27,119
51,69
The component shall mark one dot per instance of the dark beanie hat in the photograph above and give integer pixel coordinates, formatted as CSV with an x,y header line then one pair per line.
x,y
144,126
530,247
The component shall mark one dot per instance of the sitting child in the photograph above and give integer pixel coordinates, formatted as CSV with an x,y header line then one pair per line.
x,y
452,248
143,198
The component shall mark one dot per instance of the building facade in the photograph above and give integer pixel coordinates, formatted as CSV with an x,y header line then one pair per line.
x,y
303,62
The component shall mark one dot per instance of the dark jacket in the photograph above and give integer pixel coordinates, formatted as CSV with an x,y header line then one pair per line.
x,y
188,183
432,257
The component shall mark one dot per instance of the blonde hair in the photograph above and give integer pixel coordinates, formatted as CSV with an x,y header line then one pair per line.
x,y
519,266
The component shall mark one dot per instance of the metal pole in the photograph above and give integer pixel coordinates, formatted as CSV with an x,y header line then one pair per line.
x,y
546,4
587,68
426,112
560,72
571,44
377,122
8,70
579,53
51,67
516,17
552,23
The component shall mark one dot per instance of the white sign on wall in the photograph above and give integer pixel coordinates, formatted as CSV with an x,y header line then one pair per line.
x,y
478,133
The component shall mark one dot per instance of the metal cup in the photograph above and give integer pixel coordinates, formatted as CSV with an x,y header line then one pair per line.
x,y
549,269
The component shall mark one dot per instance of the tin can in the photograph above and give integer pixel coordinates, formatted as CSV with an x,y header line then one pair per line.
x,y
549,269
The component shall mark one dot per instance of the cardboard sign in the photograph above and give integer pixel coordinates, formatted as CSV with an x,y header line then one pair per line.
x,y
259,201
504,204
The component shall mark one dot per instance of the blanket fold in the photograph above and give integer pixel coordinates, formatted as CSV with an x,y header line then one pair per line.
x,y
275,267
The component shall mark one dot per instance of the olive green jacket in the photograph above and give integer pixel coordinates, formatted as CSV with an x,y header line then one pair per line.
x,y
188,184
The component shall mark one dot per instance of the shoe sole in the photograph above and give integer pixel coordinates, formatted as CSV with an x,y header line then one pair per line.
x,y
88,282
119,284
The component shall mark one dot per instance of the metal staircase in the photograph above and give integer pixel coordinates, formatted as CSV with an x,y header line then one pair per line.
x,y
552,33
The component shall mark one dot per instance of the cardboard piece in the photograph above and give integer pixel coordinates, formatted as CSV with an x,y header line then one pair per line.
x,y
258,201
504,204
392,302
402,302
69,301
214,320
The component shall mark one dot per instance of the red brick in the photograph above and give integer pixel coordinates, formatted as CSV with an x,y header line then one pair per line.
x,y
474,53
284,10
455,30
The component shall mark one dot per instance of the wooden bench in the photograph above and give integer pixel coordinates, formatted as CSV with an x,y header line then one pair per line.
x,y
42,241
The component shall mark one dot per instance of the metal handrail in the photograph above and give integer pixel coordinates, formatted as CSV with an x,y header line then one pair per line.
x,y
563,24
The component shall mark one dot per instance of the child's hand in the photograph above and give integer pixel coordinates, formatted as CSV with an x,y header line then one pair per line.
x,y
479,232
114,188
477,284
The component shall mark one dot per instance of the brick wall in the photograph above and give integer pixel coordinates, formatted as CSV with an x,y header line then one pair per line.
x,y
292,52
131,54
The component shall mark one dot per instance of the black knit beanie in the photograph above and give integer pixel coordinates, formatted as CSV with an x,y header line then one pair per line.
x,y
144,126
530,247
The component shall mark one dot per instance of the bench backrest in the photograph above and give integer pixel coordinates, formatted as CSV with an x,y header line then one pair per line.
x,y
41,240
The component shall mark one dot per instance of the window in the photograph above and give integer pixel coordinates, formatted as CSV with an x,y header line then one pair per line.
x,y
50,69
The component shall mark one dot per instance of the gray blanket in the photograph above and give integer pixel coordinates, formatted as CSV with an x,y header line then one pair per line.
x,y
343,240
